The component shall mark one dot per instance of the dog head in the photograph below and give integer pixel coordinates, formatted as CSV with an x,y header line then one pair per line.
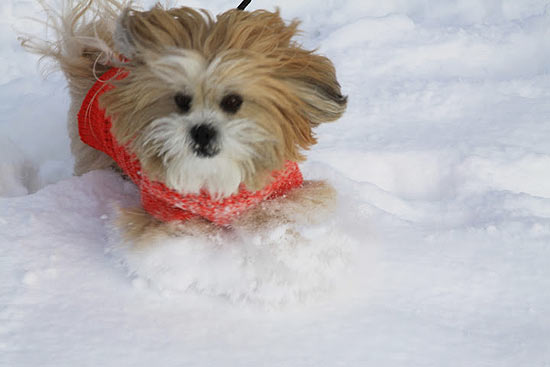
x,y
213,103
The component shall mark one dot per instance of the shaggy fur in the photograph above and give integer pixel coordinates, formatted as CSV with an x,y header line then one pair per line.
x,y
285,90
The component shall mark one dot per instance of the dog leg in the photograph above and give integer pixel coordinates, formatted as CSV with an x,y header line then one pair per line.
x,y
310,203
141,229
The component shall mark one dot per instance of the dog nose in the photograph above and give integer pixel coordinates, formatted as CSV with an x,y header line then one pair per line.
x,y
203,136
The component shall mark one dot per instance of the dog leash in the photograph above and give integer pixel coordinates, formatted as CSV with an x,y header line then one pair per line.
x,y
244,4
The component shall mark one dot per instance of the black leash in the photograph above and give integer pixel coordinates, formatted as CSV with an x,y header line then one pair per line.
x,y
244,4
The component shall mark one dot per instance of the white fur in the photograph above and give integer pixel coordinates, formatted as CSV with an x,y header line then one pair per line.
x,y
183,68
221,175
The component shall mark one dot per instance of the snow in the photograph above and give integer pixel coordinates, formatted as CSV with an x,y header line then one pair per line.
x,y
17,172
437,254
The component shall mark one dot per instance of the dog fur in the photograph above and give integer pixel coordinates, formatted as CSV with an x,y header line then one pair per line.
x,y
213,63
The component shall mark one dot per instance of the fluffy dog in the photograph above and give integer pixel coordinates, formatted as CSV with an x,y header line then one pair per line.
x,y
207,105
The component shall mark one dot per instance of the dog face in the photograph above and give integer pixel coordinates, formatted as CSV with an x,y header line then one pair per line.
x,y
210,104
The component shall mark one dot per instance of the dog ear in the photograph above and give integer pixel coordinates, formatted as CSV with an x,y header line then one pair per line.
x,y
313,78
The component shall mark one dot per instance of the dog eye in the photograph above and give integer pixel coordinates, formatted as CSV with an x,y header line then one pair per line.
x,y
183,101
231,103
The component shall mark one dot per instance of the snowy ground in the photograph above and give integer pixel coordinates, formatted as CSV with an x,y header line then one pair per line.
x,y
438,254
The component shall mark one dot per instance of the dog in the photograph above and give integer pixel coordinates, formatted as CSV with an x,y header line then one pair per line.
x,y
207,107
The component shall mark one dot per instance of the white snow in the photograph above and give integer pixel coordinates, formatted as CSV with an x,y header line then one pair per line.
x,y
436,256
17,172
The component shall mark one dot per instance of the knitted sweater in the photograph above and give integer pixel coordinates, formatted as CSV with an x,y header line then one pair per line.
x,y
157,199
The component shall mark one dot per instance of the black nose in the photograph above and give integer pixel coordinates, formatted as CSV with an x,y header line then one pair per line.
x,y
203,134
203,137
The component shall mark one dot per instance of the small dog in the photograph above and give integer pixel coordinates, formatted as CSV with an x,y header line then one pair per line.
x,y
207,106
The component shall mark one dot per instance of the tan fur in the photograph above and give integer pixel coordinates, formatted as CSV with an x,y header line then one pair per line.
x,y
306,205
141,229
286,91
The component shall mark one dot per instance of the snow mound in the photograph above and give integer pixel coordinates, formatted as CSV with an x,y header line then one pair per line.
x,y
285,264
